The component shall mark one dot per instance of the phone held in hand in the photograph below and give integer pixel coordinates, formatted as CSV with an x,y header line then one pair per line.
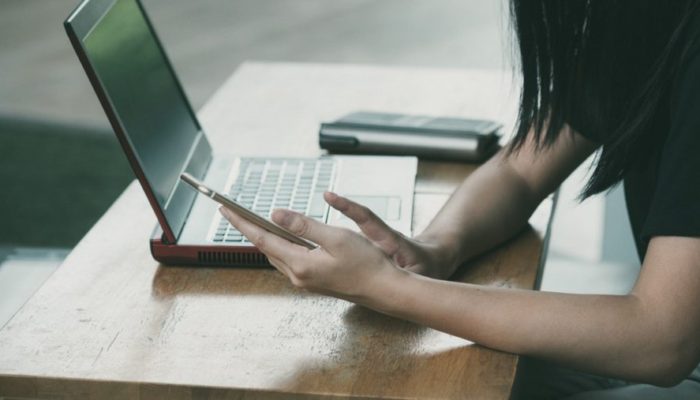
x,y
245,213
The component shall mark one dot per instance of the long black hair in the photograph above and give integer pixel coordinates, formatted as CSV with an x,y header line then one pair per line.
x,y
605,67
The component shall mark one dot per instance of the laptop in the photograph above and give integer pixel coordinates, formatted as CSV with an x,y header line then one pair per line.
x,y
161,137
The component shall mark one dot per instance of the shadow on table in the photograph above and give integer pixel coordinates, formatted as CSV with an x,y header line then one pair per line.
x,y
173,281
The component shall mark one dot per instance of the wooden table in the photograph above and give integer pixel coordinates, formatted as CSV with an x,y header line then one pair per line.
x,y
113,323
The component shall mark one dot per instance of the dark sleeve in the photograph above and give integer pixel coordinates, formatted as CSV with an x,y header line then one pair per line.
x,y
675,206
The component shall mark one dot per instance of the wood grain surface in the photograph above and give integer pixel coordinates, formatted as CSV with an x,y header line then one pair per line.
x,y
113,323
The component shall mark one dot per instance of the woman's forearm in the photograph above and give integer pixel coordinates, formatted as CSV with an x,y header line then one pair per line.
x,y
495,201
489,207
608,335
649,335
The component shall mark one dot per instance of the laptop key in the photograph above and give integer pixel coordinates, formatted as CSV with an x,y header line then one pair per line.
x,y
263,185
318,205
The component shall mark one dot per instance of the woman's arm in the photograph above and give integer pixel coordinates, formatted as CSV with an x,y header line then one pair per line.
x,y
495,202
649,335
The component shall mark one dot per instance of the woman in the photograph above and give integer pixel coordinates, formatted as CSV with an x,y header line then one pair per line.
x,y
619,76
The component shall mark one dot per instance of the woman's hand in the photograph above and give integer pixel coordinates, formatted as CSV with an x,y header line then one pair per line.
x,y
415,255
346,265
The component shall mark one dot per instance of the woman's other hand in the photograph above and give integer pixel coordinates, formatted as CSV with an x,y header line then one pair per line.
x,y
415,255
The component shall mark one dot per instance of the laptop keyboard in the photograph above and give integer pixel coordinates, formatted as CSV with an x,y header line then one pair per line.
x,y
265,184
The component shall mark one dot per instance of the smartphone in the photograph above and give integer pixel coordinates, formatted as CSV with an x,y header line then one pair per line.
x,y
245,213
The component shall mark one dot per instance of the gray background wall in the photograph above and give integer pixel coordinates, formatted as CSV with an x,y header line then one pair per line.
x,y
207,39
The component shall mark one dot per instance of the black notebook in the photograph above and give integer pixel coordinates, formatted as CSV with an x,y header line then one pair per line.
x,y
444,138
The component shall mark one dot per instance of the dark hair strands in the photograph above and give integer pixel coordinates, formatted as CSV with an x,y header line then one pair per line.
x,y
608,62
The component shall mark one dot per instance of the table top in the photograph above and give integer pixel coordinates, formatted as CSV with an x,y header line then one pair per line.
x,y
113,323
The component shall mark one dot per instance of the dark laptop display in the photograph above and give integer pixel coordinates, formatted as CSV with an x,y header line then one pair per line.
x,y
156,117
153,118
162,139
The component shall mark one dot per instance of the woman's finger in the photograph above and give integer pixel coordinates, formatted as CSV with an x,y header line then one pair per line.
x,y
369,223
308,228
268,243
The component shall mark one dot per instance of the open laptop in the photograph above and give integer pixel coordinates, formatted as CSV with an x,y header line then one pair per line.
x,y
160,134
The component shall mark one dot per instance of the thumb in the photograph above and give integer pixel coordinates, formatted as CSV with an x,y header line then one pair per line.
x,y
304,226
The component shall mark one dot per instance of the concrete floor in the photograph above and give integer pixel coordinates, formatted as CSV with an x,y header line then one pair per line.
x,y
42,80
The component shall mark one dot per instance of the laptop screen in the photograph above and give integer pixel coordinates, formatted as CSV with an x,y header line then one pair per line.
x,y
144,93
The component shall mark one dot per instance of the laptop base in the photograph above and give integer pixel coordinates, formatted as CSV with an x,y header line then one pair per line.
x,y
204,255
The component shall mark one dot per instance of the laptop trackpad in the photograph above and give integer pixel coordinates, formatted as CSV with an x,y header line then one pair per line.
x,y
387,208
